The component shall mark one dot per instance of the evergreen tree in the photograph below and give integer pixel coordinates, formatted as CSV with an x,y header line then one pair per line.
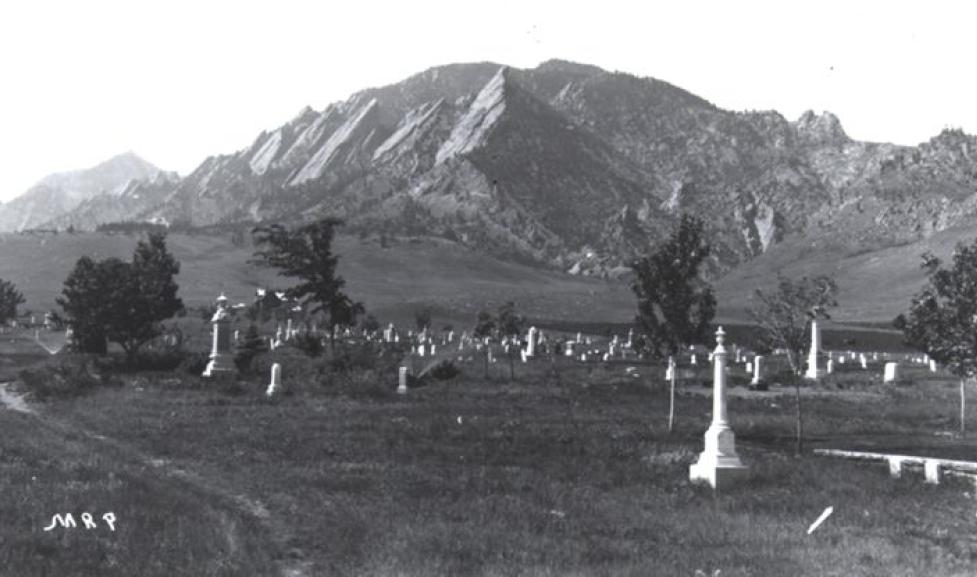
x,y
675,305
10,299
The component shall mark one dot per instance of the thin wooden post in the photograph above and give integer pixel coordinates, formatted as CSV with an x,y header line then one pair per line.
x,y
963,406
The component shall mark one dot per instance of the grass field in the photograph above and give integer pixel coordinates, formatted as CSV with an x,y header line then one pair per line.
x,y
872,285
393,282
455,282
573,475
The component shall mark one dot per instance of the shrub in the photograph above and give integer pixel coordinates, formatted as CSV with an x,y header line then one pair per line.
x,y
308,343
194,363
299,371
162,360
443,370
361,357
67,376
252,345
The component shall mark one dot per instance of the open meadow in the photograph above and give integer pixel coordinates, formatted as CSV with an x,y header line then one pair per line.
x,y
567,470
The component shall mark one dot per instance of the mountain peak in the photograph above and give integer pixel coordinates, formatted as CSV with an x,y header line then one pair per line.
x,y
824,128
568,67
475,125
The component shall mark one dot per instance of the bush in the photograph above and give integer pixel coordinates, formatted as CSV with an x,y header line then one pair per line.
x,y
308,343
162,360
299,371
361,357
443,370
67,376
194,363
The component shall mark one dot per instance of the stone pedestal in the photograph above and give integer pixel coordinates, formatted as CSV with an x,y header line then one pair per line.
x,y
718,464
221,361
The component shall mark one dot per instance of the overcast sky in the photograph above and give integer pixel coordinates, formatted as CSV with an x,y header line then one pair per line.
x,y
176,81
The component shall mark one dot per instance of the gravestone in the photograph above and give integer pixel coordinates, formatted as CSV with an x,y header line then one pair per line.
x,y
402,381
718,464
276,380
757,370
531,342
891,373
220,352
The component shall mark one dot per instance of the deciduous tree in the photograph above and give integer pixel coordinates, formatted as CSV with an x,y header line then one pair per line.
x,y
675,304
942,317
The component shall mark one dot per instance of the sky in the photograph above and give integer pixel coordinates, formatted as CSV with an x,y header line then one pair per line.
x,y
176,81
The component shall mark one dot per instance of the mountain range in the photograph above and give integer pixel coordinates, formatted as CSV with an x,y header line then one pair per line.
x,y
566,165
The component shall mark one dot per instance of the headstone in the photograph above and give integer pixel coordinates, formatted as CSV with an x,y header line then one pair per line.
x,y
402,381
814,370
891,374
276,380
220,352
718,464
531,342
757,370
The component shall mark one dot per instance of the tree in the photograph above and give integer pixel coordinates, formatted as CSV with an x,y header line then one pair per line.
x,y
675,305
115,301
784,313
306,253
370,324
422,318
509,324
10,299
942,317
783,316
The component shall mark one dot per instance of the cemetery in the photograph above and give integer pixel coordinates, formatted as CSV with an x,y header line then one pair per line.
x,y
257,438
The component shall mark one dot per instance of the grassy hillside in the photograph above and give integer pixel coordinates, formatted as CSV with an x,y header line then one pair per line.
x,y
455,282
392,282
873,285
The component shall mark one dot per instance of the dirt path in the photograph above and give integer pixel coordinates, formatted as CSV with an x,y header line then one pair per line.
x,y
13,401
290,560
